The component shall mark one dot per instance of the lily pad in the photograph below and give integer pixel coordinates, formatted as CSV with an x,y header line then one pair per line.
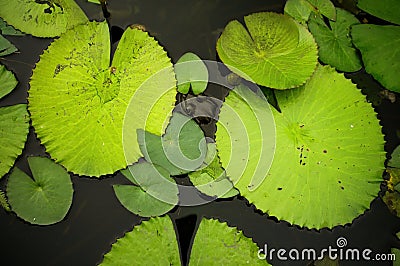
x,y
79,103
334,42
8,30
151,243
7,81
380,50
395,158
300,10
4,202
6,47
329,154
181,150
44,199
211,179
276,51
214,238
14,128
385,9
191,72
325,7
245,138
152,192
42,18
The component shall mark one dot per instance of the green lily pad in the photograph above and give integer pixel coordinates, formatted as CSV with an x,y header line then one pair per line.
x,y
4,202
14,128
9,30
214,238
325,7
7,81
245,138
153,192
300,10
6,47
42,18
151,243
276,51
395,158
329,154
191,72
44,199
211,179
181,150
380,50
334,42
79,103
385,9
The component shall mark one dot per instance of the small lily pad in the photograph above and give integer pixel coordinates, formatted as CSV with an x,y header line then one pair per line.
x,y
214,238
300,10
42,18
181,150
191,72
6,47
395,158
6,29
7,81
152,192
14,128
325,7
43,199
151,243
380,50
385,9
274,51
334,42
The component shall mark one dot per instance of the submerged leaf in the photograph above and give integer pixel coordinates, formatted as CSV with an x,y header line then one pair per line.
x,y
380,50
385,9
7,81
214,238
275,51
14,128
334,42
392,195
191,72
42,18
82,108
151,243
45,198
153,193
329,154
181,150
6,47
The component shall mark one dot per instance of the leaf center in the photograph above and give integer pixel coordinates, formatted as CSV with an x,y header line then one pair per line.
x,y
108,85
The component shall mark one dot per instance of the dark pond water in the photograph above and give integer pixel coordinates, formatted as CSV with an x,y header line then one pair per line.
x,y
96,218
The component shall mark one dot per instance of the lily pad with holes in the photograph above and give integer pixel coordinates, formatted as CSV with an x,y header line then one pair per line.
x,y
214,238
181,150
334,42
245,138
329,154
152,192
79,98
273,51
44,198
7,81
151,243
191,72
211,179
42,18
14,128
385,9
380,50
6,47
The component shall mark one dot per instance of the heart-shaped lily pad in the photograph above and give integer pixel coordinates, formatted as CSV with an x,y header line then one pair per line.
x,y
45,198
329,154
273,51
191,72
42,18
14,128
79,99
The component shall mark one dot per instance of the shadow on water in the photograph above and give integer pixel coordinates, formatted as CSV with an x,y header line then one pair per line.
x,y
96,218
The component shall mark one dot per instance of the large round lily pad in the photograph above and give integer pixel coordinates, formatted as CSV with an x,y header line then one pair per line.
x,y
273,51
14,128
78,98
329,154
42,18
43,199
